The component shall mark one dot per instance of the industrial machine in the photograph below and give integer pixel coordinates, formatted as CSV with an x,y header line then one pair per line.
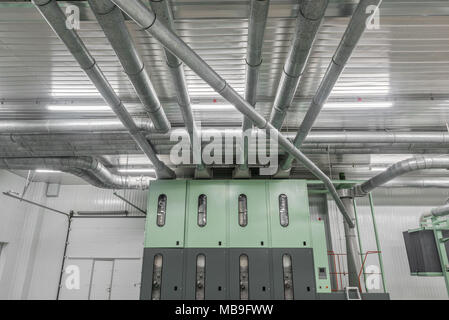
x,y
428,247
233,239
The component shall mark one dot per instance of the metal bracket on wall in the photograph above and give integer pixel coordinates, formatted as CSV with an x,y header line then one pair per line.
x,y
16,195
130,203
28,181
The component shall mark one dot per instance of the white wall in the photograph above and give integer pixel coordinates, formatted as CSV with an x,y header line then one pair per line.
x,y
396,211
35,237
20,226
108,254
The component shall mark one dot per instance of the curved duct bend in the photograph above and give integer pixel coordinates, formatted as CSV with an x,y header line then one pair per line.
x,y
440,211
146,19
398,169
436,213
348,43
53,14
112,22
310,16
87,168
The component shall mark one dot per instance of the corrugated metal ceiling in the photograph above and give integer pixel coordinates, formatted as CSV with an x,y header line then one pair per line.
x,y
406,62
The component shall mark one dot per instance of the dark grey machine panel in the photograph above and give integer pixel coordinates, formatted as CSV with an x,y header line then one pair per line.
x,y
259,271
303,273
171,287
215,287
342,296
218,276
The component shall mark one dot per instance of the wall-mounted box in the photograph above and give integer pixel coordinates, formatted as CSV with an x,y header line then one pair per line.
x,y
320,257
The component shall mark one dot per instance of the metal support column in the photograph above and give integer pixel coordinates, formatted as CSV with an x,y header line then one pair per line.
x,y
360,243
379,250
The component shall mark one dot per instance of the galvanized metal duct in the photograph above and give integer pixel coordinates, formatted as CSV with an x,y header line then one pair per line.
x,y
400,168
377,137
310,16
418,183
118,149
102,125
352,247
352,35
56,19
148,21
88,168
69,126
256,31
440,211
112,22
436,212
163,11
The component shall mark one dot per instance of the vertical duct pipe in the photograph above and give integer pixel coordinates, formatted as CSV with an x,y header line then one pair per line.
x,y
163,11
256,31
112,22
54,16
310,16
352,248
353,33
148,21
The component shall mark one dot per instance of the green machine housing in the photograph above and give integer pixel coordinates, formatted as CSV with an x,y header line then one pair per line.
x,y
231,239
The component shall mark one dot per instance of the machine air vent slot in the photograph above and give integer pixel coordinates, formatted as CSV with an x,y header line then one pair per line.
x,y
157,278
200,276
161,210
283,210
244,277
288,276
243,211
202,210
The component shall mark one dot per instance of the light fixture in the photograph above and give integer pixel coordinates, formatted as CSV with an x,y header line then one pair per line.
x,y
83,108
215,106
47,171
136,170
358,105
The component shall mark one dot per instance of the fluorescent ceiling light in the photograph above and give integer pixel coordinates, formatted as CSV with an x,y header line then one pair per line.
x,y
358,105
69,107
215,106
136,170
47,171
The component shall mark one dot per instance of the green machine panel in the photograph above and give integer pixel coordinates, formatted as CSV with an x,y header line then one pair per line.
x,y
248,215
169,232
320,258
295,232
213,232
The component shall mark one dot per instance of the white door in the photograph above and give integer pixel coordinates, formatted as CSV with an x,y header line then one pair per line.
x,y
100,286
126,279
